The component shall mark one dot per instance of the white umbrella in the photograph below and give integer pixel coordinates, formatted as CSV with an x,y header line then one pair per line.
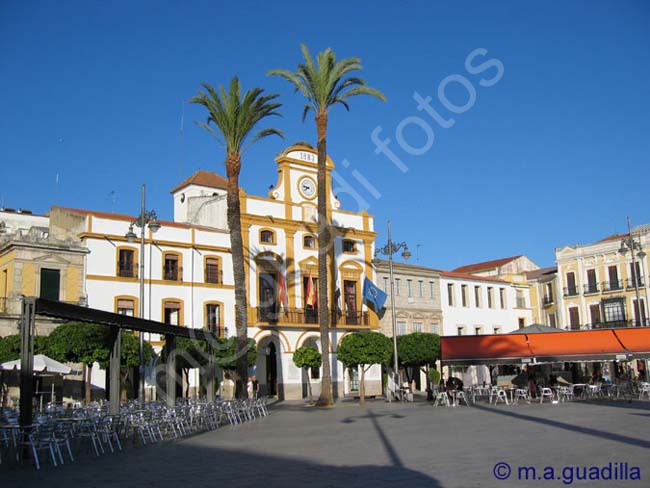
x,y
42,364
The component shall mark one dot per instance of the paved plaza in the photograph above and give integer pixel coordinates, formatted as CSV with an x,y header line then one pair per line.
x,y
380,445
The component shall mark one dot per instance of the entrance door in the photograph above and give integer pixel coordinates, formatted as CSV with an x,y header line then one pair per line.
x,y
268,298
594,310
271,370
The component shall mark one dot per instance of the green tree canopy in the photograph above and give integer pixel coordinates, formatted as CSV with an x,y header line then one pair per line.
x,y
418,349
364,348
10,347
226,353
130,350
79,343
307,357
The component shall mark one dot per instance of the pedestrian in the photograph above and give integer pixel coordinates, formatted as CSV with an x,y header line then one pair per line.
x,y
255,387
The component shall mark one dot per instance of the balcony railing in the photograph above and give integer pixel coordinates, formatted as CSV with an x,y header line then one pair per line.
x,y
570,291
547,300
633,283
309,316
127,271
590,288
214,276
612,285
617,324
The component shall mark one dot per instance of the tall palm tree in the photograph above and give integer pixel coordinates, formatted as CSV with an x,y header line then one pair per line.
x,y
325,83
231,121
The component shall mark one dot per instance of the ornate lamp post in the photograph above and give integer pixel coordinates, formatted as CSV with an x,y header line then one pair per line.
x,y
148,219
388,250
630,244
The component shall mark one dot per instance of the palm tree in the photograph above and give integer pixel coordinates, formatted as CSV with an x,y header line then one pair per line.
x,y
234,119
324,84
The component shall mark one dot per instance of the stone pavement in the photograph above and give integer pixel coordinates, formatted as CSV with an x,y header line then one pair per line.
x,y
378,445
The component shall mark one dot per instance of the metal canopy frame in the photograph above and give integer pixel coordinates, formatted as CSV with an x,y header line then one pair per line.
x,y
32,306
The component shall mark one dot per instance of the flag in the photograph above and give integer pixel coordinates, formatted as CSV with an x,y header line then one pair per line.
x,y
311,293
373,295
283,292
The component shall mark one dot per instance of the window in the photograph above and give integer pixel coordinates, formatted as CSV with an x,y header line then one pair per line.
x,y
349,246
450,294
478,330
477,296
460,330
614,310
434,328
385,284
408,288
172,312
522,322
521,299
548,297
126,306
350,299
502,297
172,268
311,299
417,326
490,296
126,263
571,289
574,318
213,317
430,289
267,237
50,284
594,312
309,242
552,321
420,288
592,285
401,328
397,280
463,295
636,277
268,297
639,307
212,272
613,284
315,373
497,329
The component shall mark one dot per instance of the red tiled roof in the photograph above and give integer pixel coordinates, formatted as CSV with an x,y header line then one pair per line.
x,y
614,237
470,268
466,276
203,178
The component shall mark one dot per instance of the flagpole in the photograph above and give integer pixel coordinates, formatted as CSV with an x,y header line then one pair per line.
x,y
392,305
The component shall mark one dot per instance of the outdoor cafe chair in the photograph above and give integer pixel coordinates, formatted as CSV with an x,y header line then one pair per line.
x,y
441,399
41,439
460,395
545,392
521,394
500,395
644,389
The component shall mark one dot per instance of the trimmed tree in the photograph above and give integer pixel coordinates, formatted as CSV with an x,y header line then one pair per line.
x,y
307,357
324,83
232,119
80,343
363,349
10,347
419,350
130,356
227,353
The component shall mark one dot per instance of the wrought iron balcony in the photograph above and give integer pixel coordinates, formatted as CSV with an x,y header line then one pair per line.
x,y
633,283
275,316
612,285
127,271
590,288
570,291
547,300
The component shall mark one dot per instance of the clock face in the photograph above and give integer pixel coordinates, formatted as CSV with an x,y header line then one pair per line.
x,y
307,187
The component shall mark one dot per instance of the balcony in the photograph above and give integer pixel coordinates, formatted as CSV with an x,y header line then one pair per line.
x,y
302,316
571,291
618,324
547,300
608,286
632,283
590,288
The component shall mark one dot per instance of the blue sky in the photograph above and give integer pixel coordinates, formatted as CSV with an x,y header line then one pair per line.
x,y
554,153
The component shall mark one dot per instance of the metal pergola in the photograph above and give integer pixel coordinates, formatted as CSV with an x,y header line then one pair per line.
x,y
31,307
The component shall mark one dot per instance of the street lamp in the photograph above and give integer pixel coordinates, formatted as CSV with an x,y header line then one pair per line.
x,y
388,250
634,246
145,219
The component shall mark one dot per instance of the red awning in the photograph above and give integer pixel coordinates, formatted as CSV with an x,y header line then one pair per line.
x,y
580,345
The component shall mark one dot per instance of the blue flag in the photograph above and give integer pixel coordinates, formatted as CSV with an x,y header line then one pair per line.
x,y
373,295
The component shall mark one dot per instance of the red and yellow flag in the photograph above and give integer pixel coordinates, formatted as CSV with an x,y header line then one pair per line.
x,y
311,292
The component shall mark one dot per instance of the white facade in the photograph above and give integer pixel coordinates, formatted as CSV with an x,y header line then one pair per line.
x,y
502,307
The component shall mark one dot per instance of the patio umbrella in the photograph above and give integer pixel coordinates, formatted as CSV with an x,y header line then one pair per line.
x,y
42,364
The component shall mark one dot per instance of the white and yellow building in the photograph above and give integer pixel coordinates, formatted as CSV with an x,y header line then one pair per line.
x,y
188,268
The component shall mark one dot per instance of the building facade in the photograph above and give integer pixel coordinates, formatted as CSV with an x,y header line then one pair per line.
x,y
189,279
600,285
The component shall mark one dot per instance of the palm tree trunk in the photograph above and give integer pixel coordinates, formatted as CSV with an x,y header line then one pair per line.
x,y
325,244
233,166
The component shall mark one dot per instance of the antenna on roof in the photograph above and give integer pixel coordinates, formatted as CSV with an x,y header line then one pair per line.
x,y
182,155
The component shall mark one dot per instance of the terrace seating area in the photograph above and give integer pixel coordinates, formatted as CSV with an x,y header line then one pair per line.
x,y
60,435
